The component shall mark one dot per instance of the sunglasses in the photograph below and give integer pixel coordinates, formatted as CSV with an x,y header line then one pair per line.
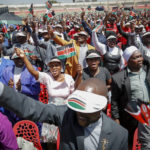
x,y
112,40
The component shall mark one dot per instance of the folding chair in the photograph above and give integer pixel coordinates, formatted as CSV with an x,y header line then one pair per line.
x,y
29,131
136,144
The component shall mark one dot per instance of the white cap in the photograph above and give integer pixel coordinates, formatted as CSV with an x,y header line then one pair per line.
x,y
21,34
40,30
146,33
83,33
127,24
86,102
55,59
128,52
58,26
93,55
76,26
111,37
76,34
68,27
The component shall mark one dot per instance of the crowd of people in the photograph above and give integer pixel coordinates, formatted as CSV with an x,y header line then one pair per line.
x,y
110,65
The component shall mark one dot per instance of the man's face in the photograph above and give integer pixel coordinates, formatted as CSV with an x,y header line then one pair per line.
x,y
146,40
60,30
84,119
11,28
82,38
45,36
21,39
93,63
18,62
136,60
138,30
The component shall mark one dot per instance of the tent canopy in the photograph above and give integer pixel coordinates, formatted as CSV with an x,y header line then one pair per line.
x,y
9,18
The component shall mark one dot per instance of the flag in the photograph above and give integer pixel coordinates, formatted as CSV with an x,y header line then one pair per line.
x,y
132,13
49,14
31,9
89,7
4,30
66,51
140,111
48,5
114,9
28,52
98,27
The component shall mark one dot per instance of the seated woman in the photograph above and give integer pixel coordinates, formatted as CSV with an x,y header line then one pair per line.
x,y
94,70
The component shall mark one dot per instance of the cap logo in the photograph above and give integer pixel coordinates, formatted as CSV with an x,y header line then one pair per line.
x,y
76,103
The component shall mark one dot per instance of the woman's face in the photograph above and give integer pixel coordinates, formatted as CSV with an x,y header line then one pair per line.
x,y
93,63
55,68
112,42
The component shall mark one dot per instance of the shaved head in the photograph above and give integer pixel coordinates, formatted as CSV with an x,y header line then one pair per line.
x,y
94,85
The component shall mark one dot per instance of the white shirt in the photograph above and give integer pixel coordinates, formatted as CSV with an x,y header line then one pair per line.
x,y
55,88
82,54
17,74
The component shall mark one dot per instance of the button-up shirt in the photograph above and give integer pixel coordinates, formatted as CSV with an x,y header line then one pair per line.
x,y
92,135
139,86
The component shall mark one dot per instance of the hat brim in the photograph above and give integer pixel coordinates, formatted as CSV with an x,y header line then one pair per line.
x,y
82,101
53,60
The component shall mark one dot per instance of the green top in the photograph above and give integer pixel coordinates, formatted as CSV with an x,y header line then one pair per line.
x,y
139,86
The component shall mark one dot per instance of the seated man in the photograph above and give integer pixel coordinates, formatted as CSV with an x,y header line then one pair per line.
x,y
7,137
82,124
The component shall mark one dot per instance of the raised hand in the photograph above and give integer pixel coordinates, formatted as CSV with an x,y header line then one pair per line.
x,y
50,30
11,83
79,69
19,52
34,57
18,85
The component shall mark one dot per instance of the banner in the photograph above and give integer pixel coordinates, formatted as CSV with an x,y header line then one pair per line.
x,y
66,51
140,111
48,5
31,9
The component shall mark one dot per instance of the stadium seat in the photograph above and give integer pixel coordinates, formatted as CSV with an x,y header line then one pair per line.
x,y
109,110
58,141
29,131
136,144
43,96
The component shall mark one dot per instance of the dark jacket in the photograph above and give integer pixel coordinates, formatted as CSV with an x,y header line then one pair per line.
x,y
129,36
121,93
71,134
